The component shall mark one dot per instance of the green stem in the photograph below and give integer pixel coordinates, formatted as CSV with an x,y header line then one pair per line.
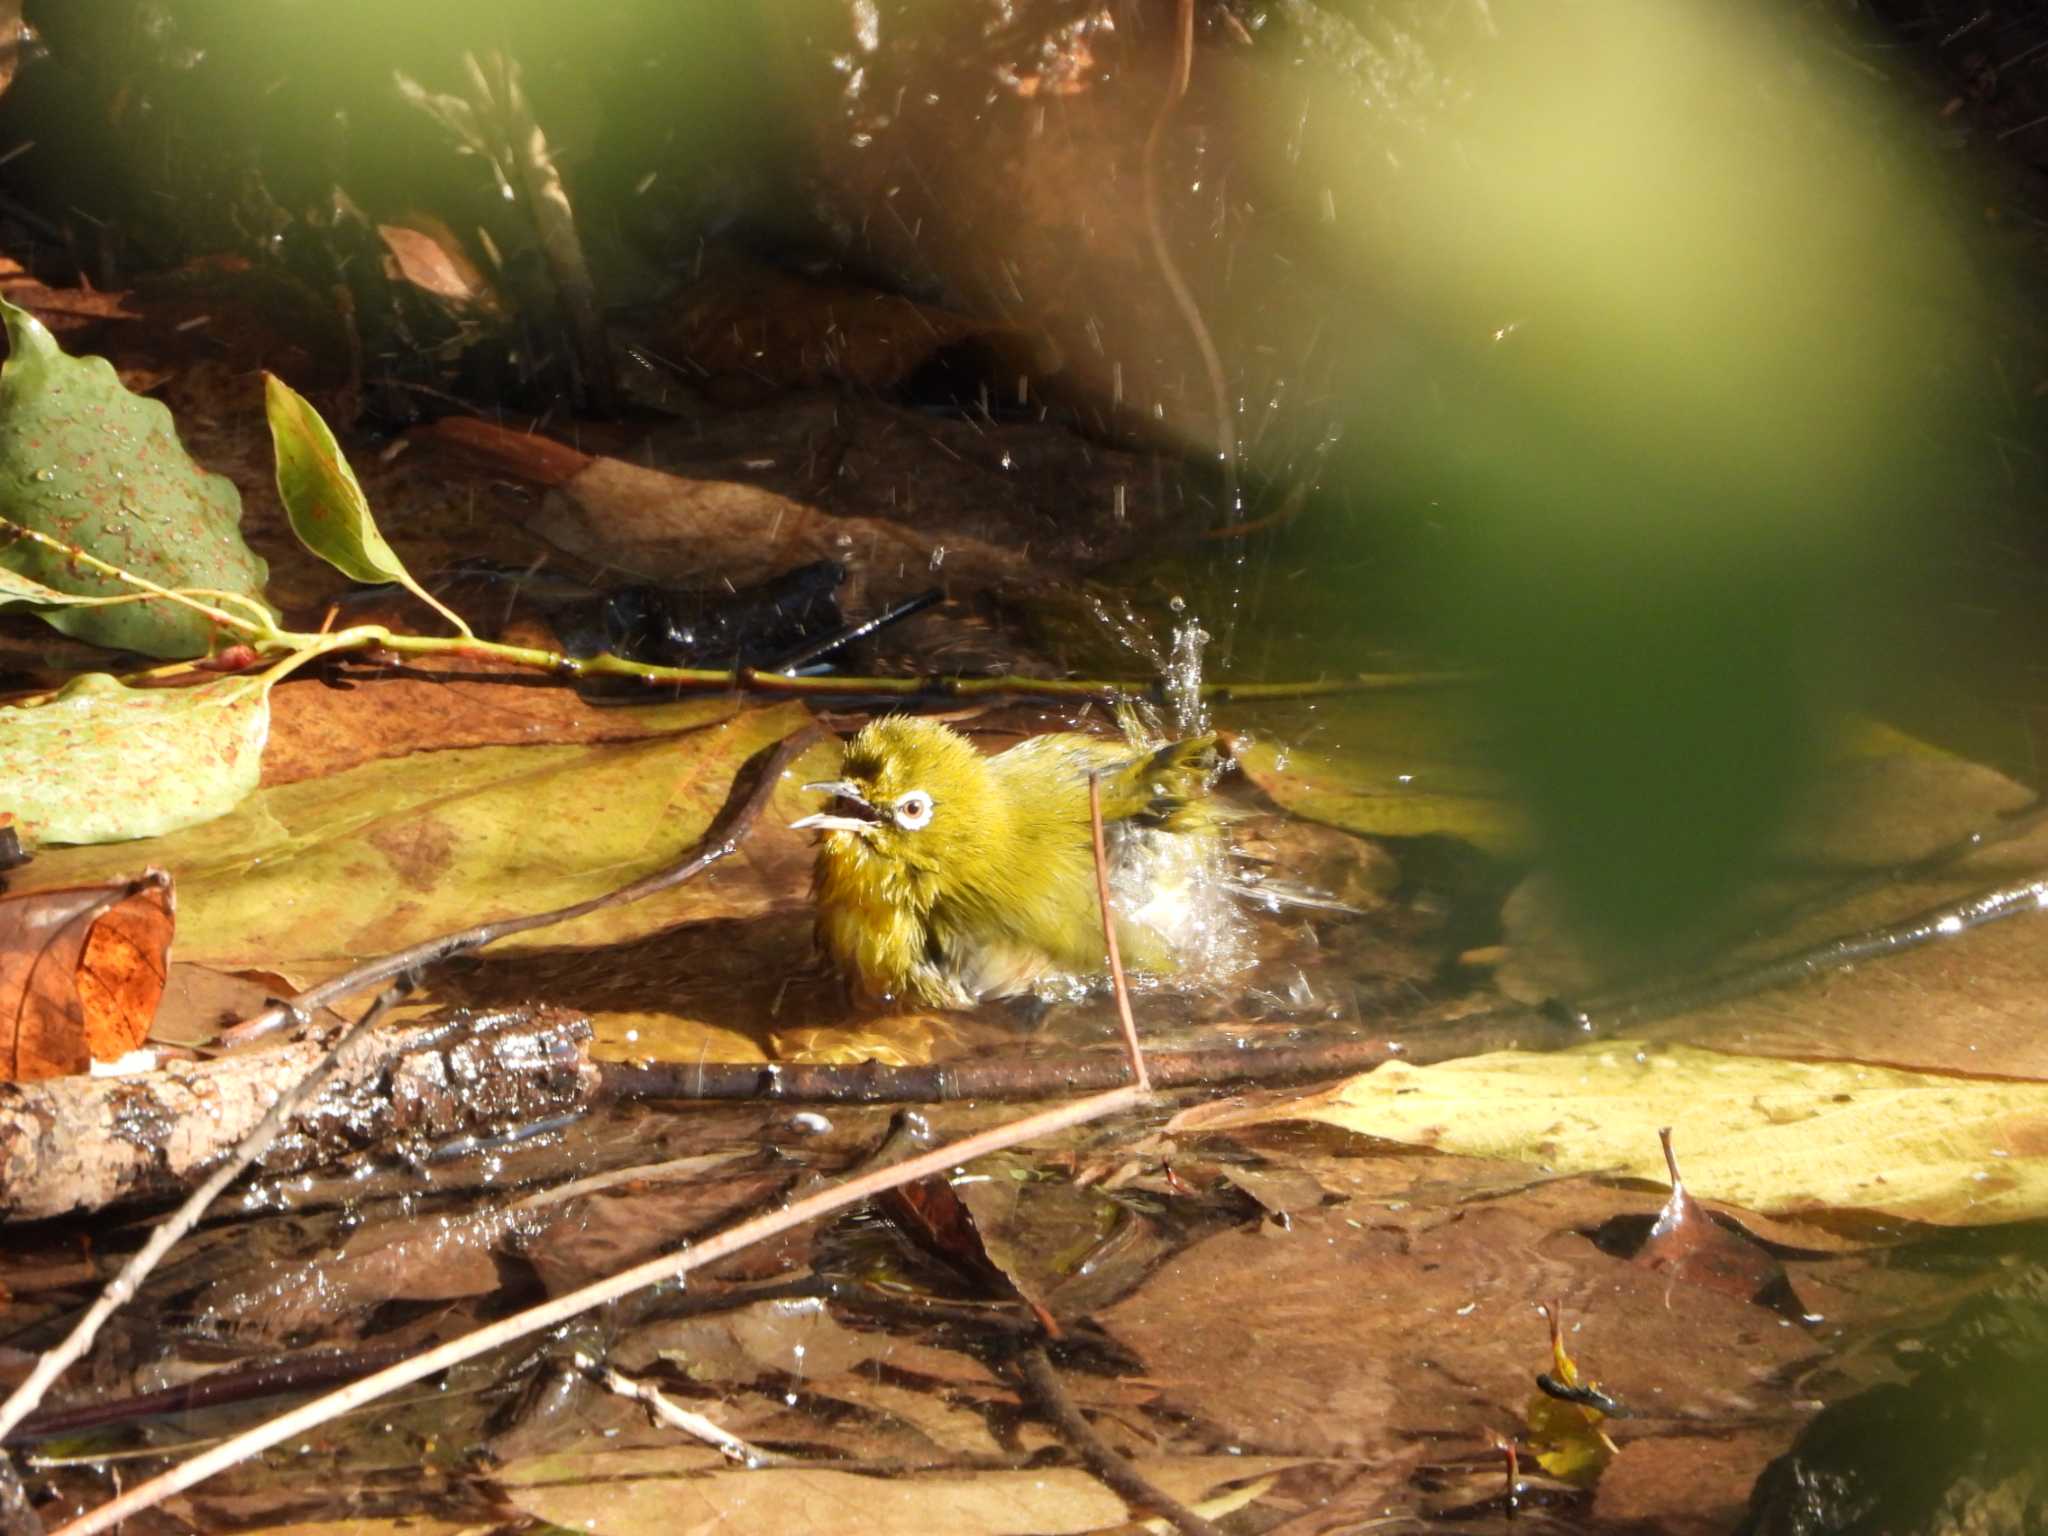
x,y
303,647
147,588
756,680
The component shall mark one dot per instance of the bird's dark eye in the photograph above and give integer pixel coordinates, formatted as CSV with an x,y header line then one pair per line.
x,y
913,810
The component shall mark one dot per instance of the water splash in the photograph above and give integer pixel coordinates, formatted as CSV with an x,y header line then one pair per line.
x,y
1178,665
1187,711
1177,889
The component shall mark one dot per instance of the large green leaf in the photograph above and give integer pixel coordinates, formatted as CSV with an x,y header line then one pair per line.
x,y
103,763
329,870
325,502
85,461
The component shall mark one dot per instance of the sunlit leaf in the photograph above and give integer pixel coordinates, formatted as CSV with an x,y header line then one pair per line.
x,y
81,973
85,461
1770,1135
398,850
321,496
102,762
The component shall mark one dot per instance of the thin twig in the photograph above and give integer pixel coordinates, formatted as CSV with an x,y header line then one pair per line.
x,y
928,685
1945,921
554,1313
1116,1471
1133,1052
668,1411
719,843
23,1400
1012,1078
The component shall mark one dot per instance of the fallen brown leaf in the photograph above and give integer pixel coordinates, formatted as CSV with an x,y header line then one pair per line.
x,y
81,972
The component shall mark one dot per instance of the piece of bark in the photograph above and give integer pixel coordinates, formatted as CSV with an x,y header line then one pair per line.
x,y
80,1144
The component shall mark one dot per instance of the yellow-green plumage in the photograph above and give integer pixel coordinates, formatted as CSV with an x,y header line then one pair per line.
x,y
961,876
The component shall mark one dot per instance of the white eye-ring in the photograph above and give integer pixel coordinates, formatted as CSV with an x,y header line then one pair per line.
x,y
913,810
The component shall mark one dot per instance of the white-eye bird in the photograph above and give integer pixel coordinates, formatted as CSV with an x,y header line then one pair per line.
x,y
947,876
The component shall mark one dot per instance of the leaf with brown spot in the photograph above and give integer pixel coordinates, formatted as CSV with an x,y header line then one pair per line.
x,y
102,762
81,972
101,468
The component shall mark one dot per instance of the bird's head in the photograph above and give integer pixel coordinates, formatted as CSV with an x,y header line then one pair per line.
x,y
913,790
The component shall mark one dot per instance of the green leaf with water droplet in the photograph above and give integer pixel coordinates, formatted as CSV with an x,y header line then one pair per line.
x,y
17,588
103,763
327,507
85,461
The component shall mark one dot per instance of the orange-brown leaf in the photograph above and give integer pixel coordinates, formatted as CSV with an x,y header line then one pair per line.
x,y
81,972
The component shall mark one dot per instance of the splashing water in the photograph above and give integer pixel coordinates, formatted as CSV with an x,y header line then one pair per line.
x,y
1179,888
1187,712
1178,664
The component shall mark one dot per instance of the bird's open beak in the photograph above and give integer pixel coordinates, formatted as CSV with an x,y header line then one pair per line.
x,y
846,792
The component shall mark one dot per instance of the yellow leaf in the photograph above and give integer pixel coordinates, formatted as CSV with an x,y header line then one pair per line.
x,y
1770,1135
384,855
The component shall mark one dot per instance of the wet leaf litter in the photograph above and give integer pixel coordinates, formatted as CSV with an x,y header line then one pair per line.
x,y
1288,1288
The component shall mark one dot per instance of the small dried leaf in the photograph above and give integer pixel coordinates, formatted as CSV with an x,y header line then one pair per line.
x,y
81,972
932,1214
427,254
1690,1245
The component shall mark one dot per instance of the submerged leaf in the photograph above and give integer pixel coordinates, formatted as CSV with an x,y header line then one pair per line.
x,y
326,505
362,862
102,763
1688,1244
689,1491
1773,1136
1416,764
85,461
